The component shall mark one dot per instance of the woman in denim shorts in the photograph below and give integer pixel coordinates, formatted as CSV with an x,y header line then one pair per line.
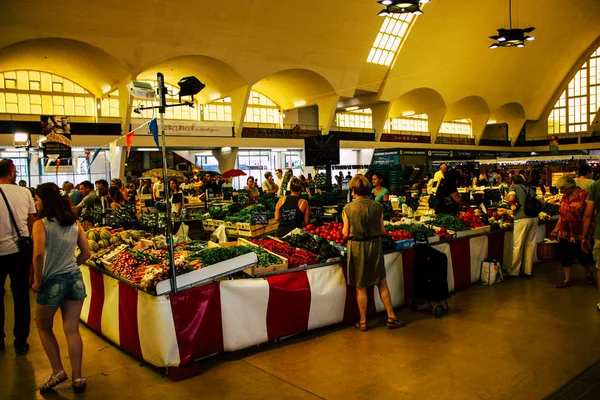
x,y
58,281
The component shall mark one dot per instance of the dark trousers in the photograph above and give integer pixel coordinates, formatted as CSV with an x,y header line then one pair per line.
x,y
17,267
567,251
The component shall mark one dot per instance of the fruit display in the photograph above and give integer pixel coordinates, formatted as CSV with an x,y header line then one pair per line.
x,y
399,235
332,231
501,220
472,220
296,257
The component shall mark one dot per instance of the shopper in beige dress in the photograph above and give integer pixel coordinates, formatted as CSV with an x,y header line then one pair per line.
x,y
363,225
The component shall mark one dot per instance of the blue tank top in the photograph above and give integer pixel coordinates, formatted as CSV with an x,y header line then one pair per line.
x,y
61,241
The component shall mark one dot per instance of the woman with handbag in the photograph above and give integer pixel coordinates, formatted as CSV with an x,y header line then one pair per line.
x,y
569,230
58,280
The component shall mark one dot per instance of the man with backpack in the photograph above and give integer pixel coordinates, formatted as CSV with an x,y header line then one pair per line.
x,y
526,206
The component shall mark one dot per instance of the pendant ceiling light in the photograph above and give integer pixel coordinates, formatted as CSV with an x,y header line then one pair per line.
x,y
401,7
511,37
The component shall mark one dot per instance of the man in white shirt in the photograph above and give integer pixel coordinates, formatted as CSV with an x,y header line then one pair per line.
x,y
13,262
158,189
437,178
279,174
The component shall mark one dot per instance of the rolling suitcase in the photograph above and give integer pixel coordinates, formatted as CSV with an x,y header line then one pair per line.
x,y
430,277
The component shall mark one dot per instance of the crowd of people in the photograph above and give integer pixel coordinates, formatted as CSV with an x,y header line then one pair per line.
x,y
577,230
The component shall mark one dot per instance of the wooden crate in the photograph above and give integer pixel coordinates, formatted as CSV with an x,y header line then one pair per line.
x,y
247,230
253,271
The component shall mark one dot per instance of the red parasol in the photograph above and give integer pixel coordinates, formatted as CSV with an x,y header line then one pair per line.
x,y
232,173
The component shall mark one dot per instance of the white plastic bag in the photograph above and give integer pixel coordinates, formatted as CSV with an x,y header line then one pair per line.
x,y
183,230
491,272
219,235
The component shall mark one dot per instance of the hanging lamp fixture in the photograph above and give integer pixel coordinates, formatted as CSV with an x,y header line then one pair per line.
x,y
511,37
401,7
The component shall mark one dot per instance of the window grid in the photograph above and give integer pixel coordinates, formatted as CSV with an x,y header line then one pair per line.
x,y
388,40
414,123
457,127
218,110
35,92
579,102
261,109
355,119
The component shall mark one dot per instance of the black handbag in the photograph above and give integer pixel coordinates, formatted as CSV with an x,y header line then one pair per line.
x,y
24,243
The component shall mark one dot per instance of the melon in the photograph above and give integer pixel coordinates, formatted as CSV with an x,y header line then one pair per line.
x,y
93,235
105,235
125,235
114,240
135,235
103,243
94,247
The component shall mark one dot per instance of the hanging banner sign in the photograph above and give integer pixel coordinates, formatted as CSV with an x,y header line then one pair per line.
x,y
188,128
57,146
391,137
277,133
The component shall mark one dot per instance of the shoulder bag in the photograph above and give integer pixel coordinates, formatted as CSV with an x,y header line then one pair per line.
x,y
24,243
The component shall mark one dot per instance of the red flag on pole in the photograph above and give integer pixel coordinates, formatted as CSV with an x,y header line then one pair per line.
x,y
129,139
87,155
57,164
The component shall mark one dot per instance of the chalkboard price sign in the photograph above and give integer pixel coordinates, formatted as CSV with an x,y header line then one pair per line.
x,y
316,211
320,180
259,218
243,197
287,215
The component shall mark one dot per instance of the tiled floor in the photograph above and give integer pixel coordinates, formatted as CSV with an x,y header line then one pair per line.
x,y
522,339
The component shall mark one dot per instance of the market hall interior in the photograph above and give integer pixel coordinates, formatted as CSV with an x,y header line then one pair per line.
x,y
521,339
322,64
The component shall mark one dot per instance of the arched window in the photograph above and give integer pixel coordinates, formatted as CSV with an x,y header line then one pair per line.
x,y
218,110
578,104
181,112
262,110
355,119
457,127
42,93
109,105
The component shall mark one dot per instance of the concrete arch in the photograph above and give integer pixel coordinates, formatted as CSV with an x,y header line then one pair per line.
x,y
474,108
513,114
468,107
88,66
418,101
219,77
291,86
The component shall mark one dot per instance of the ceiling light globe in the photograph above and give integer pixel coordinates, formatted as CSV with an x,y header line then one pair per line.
x,y
386,2
494,46
383,13
520,45
501,38
529,38
418,12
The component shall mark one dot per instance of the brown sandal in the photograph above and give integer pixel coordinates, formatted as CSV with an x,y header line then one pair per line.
x,y
81,387
361,326
393,323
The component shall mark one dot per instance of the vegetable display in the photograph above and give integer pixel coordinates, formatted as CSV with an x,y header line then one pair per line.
x,y
296,257
320,246
449,222
412,228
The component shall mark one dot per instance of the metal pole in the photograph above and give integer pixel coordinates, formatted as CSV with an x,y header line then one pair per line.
x,y
169,229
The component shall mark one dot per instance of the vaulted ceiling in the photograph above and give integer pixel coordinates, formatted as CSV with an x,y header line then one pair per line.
x,y
307,49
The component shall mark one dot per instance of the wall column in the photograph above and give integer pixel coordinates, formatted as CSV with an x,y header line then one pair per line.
x,y
226,156
380,116
239,102
327,107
